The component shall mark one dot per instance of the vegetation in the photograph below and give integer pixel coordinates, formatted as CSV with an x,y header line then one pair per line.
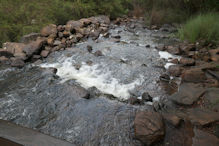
x,y
19,17
202,27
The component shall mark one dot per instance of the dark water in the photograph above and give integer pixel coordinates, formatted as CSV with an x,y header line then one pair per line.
x,y
35,97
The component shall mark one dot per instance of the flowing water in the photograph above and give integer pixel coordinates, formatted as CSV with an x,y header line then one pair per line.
x,y
35,97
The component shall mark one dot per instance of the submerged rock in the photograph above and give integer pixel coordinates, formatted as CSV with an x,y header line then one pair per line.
x,y
149,127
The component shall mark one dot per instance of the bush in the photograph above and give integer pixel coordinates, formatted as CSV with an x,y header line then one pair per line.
x,y
202,27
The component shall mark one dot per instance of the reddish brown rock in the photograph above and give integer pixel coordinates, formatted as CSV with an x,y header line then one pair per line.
x,y
50,41
202,138
49,30
193,75
175,61
175,70
149,127
173,119
173,50
214,54
187,61
202,117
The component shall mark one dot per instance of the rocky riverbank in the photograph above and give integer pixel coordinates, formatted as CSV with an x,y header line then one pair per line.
x,y
74,98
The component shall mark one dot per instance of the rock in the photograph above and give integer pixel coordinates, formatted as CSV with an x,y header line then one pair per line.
x,y
60,28
34,47
187,61
16,62
212,98
49,30
188,94
60,35
171,118
186,48
173,50
94,92
202,138
89,48
156,106
194,75
202,117
146,97
98,53
95,34
50,41
214,54
3,59
5,53
29,37
174,61
49,70
160,48
147,46
134,101
44,53
80,92
116,36
57,42
165,77
66,33
175,70
85,22
73,26
149,127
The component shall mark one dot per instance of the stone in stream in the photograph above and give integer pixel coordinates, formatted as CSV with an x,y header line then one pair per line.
x,y
16,62
89,48
49,30
188,94
149,127
98,53
146,97
165,77
134,101
44,53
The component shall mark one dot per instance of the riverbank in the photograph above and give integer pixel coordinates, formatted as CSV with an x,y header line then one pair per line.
x,y
109,84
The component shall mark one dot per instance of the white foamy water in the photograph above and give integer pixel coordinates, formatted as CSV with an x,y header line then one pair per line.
x,y
89,76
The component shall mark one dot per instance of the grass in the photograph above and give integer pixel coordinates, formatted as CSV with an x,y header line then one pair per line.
x,y
202,27
20,17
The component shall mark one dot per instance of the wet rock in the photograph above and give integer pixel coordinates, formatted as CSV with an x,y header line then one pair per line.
x,y
187,61
95,34
165,77
49,30
16,62
194,75
146,97
29,37
202,117
188,94
116,36
89,48
89,62
149,127
98,53
174,61
214,54
156,106
172,119
147,46
134,101
94,92
175,70
202,138
44,53
80,92
50,70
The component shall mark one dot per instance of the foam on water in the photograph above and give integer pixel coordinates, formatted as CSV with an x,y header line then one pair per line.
x,y
89,76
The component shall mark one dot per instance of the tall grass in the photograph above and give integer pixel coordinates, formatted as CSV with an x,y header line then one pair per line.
x,y
202,27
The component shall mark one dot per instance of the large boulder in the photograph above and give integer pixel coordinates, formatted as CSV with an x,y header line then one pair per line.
x,y
17,49
49,30
34,47
188,93
149,127
29,37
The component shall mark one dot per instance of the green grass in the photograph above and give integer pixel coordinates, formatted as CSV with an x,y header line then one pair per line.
x,y
202,27
20,17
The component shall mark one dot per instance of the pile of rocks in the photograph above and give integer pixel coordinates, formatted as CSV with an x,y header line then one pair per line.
x,y
52,38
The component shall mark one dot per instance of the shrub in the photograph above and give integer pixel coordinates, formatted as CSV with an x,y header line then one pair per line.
x,y
202,27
